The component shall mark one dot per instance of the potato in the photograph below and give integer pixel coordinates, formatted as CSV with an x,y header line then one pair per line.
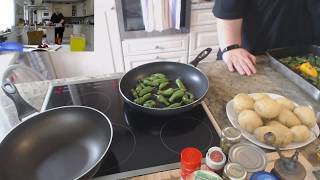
x,y
249,120
285,136
288,118
286,103
273,122
242,102
306,115
282,133
300,133
261,131
258,96
267,108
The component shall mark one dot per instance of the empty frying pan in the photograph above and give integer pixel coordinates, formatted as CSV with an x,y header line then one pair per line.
x,y
62,143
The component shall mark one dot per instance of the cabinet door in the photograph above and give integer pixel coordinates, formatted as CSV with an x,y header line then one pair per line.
x,y
134,61
202,37
109,19
202,17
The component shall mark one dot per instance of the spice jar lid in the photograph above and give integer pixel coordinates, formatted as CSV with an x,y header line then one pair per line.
x,y
251,157
235,171
231,133
215,158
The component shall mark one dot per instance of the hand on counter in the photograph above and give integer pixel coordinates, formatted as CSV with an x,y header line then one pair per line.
x,y
240,60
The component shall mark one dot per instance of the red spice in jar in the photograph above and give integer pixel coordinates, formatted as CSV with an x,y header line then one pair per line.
x,y
216,156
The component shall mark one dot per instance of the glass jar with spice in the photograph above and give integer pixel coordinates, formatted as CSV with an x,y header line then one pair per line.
x,y
229,137
190,161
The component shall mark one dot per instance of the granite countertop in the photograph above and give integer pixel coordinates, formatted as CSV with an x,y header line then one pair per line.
x,y
223,87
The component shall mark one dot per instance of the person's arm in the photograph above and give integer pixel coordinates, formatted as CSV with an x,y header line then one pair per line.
x,y
229,33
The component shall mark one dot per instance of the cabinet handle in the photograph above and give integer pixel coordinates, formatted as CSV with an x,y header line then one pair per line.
x,y
158,47
113,8
158,57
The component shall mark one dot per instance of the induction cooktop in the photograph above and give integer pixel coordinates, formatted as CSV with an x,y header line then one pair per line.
x,y
142,143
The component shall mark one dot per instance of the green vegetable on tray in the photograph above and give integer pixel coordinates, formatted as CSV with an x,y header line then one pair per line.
x,y
157,91
306,66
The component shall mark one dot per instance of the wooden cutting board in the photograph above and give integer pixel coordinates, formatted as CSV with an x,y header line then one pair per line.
x,y
175,174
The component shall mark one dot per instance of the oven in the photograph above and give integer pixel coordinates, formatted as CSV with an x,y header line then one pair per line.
x,y
131,25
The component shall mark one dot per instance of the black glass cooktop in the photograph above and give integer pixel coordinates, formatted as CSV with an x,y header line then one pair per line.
x,y
141,143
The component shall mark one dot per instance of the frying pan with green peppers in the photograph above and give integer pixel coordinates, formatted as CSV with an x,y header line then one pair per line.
x,y
157,91
160,79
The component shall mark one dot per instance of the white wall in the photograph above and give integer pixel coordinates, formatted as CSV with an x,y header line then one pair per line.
x,y
80,64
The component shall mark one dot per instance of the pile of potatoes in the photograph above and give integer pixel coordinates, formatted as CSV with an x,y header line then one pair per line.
x,y
259,114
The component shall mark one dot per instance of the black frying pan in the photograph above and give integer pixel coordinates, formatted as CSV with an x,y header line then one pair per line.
x,y
64,143
195,80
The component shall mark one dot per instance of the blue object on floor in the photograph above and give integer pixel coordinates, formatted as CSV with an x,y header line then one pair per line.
x,y
11,46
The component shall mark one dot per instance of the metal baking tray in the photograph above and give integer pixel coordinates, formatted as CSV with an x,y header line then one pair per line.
x,y
276,54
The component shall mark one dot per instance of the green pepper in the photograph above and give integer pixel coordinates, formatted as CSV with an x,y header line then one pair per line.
x,y
174,105
141,84
167,92
138,88
145,90
188,98
176,95
150,83
180,84
150,104
134,93
162,100
158,75
142,99
163,85
159,81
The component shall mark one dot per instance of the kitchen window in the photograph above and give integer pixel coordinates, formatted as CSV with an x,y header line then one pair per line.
x,y
6,15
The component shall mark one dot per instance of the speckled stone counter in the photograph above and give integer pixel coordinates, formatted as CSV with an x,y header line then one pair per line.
x,y
223,87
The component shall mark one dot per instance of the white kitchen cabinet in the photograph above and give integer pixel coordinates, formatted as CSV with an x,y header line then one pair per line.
x,y
134,61
202,37
203,34
145,50
202,17
155,45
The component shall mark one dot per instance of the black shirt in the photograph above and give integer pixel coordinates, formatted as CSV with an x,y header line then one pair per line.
x,y
273,23
57,18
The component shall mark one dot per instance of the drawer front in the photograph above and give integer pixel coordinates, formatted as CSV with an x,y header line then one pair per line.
x,y
202,37
134,61
155,45
203,17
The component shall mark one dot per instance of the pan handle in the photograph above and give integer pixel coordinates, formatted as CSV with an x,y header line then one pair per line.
x,y
24,109
201,56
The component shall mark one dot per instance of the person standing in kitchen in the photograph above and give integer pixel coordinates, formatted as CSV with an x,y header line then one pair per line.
x,y
57,18
249,27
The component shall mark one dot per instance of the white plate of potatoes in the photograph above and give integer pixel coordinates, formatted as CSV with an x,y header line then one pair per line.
x,y
256,114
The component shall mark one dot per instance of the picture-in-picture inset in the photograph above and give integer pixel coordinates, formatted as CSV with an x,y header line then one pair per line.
x,y
49,25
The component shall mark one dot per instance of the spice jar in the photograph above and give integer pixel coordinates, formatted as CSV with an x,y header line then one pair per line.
x,y
190,159
215,160
234,171
229,137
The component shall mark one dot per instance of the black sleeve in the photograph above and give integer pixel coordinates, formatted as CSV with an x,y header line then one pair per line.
x,y
61,16
229,9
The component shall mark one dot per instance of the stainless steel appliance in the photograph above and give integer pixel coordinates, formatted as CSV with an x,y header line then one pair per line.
x,y
141,143
131,20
